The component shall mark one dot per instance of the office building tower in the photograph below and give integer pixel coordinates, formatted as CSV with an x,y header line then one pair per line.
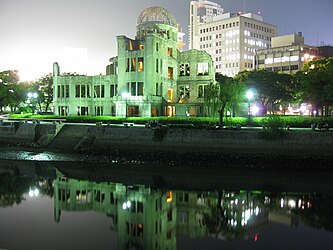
x,y
230,38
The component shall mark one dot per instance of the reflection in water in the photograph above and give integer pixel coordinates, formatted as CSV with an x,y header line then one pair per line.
x,y
149,217
15,181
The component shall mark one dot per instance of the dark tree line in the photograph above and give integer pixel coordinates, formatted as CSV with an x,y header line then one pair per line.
x,y
313,85
14,94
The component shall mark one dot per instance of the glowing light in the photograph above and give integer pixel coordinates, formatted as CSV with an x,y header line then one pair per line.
x,y
249,94
31,193
257,211
303,108
247,215
292,203
126,205
282,203
36,192
268,60
32,95
255,110
169,197
256,237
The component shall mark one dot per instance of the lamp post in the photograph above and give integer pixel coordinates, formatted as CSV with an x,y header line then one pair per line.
x,y
125,96
249,96
31,95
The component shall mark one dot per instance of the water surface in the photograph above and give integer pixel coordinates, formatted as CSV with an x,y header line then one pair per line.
x,y
74,205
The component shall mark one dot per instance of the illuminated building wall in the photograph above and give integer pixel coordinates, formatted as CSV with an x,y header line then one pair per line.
x,y
287,55
230,38
143,79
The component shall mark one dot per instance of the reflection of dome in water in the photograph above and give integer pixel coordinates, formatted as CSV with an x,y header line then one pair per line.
x,y
158,15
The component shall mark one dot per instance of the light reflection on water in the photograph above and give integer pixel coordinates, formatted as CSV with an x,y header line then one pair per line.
x,y
71,207
34,155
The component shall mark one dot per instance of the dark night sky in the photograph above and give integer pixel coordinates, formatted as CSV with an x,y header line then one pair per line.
x,y
36,33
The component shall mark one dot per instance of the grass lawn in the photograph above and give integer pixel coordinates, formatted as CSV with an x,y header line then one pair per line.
x,y
280,121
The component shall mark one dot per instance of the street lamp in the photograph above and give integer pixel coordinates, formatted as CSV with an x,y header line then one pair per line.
x,y
31,95
126,96
249,96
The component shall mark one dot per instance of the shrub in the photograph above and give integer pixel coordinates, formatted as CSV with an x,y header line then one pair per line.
x,y
273,126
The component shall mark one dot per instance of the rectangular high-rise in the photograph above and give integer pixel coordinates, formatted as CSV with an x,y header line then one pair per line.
x,y
230,38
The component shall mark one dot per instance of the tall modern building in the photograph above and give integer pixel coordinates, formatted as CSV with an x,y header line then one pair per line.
x,y
230,38
200,11
150,76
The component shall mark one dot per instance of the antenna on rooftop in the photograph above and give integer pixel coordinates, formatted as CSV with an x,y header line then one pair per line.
x,y
244,6
317,39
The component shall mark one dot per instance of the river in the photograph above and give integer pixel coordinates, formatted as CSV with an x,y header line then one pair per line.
x,y
57,201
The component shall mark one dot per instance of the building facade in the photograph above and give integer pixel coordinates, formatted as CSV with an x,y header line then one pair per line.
x,y
287,54
230,38
150,76
325,51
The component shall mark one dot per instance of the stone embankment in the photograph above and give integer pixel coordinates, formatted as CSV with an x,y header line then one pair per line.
x,y
167,141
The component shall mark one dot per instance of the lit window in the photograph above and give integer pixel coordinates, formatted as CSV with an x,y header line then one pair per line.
x,y
268,60
140,64
169,196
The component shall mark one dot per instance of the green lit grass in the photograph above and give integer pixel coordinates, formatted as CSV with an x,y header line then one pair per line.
x,y
291,121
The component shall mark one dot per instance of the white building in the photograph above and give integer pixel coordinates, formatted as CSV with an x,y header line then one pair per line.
x,y
287,54
230,38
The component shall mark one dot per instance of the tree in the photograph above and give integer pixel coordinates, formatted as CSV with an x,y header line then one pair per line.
x,y
272,88
11,92
44,89
316,84
225,94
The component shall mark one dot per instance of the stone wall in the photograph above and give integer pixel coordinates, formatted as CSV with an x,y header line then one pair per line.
x,y
28,133
223,141
171,140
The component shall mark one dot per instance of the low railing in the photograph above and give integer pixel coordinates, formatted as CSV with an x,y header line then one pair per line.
x,y
37,120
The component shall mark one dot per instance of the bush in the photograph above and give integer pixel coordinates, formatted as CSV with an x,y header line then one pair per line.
x,y
272,122
273,126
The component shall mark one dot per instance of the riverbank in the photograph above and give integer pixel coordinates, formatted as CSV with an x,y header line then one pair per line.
x,y
169,146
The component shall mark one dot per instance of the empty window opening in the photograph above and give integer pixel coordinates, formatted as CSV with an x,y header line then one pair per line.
x,y
170,73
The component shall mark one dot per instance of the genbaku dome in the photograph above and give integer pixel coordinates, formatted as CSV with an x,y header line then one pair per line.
x,y
150,76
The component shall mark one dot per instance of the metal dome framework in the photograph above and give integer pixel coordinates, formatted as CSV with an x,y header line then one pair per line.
x,y
157,15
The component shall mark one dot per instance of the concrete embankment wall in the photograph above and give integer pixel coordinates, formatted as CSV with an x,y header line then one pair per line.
x,y
170,140
16,132
196,141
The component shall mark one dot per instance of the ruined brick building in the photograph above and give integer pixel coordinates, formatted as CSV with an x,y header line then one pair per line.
x,y
150,76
